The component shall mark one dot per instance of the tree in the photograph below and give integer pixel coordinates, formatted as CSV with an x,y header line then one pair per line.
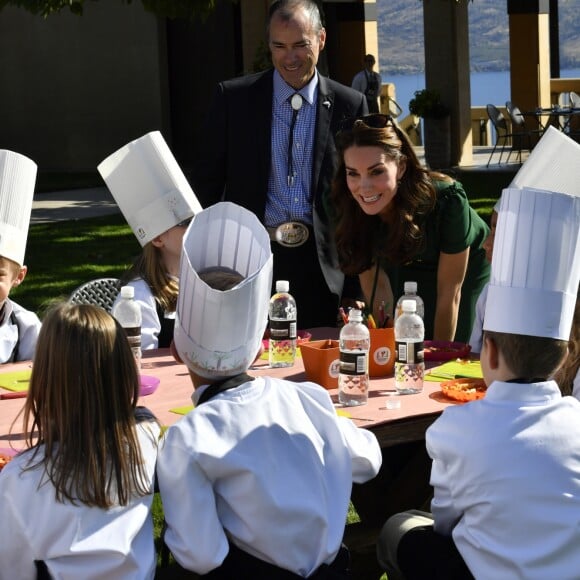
x,y
187,9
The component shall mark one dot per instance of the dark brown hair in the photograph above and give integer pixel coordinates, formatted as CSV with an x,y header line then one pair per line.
x,y
529,357
79,413
567,372
356,232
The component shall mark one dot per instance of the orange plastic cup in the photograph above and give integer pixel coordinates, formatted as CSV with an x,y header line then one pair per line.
x,y
321,360
382,352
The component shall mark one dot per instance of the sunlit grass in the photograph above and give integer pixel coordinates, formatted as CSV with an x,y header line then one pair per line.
x,y
62,255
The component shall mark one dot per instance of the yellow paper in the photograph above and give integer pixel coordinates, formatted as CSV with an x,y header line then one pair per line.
x,y
451,370
16,381
182,410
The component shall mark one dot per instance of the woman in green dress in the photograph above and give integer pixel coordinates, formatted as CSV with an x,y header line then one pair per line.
x,y
397,221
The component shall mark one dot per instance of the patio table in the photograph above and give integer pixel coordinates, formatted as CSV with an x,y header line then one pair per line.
x,y
559,117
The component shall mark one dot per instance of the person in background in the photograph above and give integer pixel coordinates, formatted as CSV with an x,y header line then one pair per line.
x,y
476,339
256,480
158,204
568,375
268,145
505,468
77,502
369,82
397,221
19,327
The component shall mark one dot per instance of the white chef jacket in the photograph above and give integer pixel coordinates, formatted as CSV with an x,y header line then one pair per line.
x,y
150,323
506,478
269,465
75,541
476,339
26,330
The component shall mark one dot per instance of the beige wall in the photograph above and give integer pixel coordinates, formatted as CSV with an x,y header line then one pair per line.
x,y
76,88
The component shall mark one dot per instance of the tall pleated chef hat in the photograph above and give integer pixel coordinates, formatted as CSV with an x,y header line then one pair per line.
x,y
17,180
535,269
218,333
149,186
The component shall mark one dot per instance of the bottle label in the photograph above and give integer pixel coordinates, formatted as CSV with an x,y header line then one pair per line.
x,y
353,363
134,336
409,352
283,329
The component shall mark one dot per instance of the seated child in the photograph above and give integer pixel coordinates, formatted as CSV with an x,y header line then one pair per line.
x,y
476,338
568,375
158,204
506,468
77,503
256,480
18,327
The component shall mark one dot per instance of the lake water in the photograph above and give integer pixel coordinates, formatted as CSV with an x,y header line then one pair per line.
x,y
486,87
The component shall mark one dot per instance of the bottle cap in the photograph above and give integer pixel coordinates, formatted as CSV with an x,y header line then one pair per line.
x,y
409,306
354,315
282,286
127,292
410,287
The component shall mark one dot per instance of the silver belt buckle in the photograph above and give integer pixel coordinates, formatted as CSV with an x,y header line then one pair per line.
x,y
292,234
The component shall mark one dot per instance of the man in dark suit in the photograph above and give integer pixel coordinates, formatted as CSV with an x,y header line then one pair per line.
x,y
268,145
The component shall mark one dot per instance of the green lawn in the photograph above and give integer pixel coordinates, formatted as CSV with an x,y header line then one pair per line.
x,y
60,256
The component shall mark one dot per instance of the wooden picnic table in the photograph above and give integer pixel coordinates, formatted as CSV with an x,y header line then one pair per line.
x,y
391,426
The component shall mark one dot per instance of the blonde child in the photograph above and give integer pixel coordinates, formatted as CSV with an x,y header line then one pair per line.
x,y
476,338
18,327
158,204
77,502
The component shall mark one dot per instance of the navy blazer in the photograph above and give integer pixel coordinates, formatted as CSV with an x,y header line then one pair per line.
x,y
233,156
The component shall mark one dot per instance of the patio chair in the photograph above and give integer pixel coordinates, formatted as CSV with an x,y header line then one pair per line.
x,y
99,292
502,131
520,131
394,108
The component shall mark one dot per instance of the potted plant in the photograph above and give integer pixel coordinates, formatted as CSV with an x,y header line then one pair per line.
x,y
436,127
427,104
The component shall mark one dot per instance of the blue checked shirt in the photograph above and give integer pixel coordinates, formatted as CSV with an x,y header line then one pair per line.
x,y
291,202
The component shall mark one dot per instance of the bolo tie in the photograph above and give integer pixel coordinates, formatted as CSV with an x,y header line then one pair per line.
x,y
296,103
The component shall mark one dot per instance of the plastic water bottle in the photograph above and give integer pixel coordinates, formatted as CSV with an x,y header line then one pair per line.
x,y
353,378
410,289
283,326
409,358
128,315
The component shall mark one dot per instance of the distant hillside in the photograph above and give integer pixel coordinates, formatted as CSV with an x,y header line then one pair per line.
x,y
400,24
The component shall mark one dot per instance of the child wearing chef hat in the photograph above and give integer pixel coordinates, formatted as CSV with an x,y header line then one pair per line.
x,y
256,480
19,327
158,203
505,468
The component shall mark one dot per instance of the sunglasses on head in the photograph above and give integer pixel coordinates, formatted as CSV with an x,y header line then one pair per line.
x,y
374,121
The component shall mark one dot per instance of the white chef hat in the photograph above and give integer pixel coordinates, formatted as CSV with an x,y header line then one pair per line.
x,y
536,258
149,186
17,179
218,333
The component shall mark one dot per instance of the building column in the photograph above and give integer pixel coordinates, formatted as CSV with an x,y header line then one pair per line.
x,y
446,29
529,24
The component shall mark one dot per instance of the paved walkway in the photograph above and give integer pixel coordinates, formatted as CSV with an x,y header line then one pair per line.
x,y
70,205
97,201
